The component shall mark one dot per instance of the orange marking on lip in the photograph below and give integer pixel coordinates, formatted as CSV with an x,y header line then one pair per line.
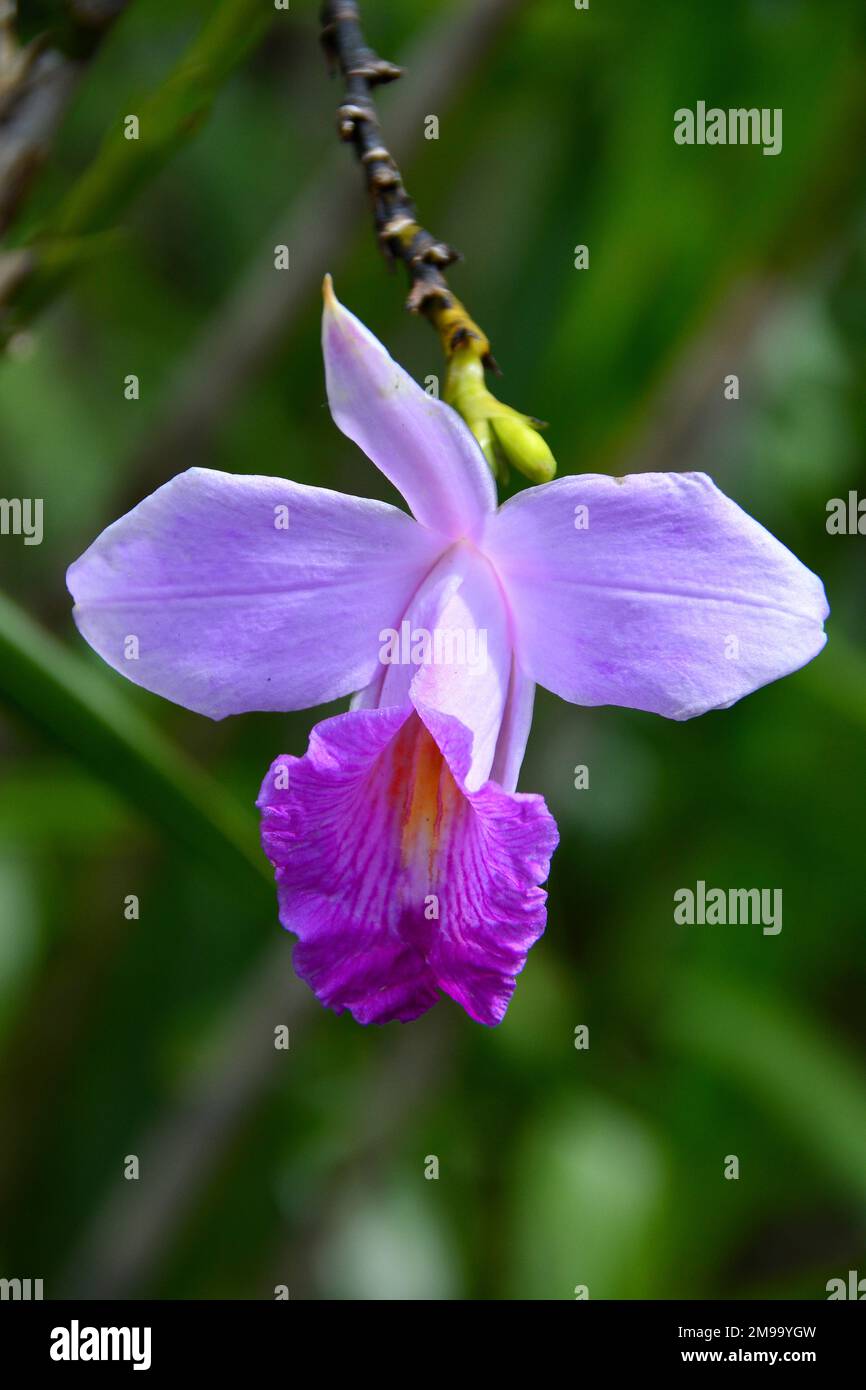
x,y
422,786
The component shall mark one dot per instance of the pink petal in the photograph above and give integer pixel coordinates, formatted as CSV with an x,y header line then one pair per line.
x,y
418,442
460,606
232,612
375,833
514,732
670,599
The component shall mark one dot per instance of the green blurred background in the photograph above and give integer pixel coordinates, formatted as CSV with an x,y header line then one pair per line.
x,y
557,1167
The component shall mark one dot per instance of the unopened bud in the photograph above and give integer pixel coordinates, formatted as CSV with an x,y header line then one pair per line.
x,y
523,447
505,435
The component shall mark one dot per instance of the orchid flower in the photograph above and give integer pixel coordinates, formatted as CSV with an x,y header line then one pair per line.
x,y
406,862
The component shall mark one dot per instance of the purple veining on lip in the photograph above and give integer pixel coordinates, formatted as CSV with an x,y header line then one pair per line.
x,y
398,882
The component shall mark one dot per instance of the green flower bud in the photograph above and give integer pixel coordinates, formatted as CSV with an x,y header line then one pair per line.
x,y
505,435
523,447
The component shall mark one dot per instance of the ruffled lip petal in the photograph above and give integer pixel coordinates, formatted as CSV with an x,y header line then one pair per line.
x,y
335,881
398,882
513,836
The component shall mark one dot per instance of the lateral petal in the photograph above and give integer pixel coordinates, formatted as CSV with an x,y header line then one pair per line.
x,y
653,591
248,593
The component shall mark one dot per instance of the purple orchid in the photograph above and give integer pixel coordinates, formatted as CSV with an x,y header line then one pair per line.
x,y
406,862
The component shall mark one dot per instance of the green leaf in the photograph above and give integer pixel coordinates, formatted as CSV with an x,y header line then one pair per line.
x,y
81,708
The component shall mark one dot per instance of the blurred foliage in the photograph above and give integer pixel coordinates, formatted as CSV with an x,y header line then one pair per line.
x,y
558,1166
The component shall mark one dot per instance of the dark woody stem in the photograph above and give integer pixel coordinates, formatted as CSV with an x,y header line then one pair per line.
x,y
506,437
400,234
